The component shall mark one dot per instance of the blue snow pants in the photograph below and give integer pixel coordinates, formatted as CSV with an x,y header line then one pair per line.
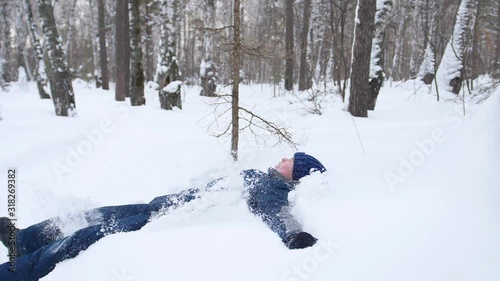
x,y
41,246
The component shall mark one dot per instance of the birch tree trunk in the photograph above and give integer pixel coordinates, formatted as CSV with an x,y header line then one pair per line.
x,y
61,86
377,64
6,71
167,69
40,73
428,67
137,72
322,42
207,66
148,42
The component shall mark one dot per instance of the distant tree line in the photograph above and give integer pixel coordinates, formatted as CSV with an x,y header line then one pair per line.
x,y
289,43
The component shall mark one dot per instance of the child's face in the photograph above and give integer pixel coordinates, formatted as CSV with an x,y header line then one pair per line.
x,y
285,167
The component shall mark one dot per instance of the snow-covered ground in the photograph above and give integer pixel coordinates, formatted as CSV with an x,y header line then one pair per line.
x,y
419,200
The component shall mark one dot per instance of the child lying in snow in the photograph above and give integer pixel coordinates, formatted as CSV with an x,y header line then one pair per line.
x,y
41,246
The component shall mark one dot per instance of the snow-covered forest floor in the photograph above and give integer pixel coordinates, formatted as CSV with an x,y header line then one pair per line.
x,y
418,201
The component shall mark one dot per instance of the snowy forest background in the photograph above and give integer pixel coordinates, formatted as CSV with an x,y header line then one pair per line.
x,y
315,36
310,44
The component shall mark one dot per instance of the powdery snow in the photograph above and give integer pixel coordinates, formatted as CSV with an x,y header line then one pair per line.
x,y
439,221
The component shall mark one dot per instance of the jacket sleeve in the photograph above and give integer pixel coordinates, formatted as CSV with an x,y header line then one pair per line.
x,y
288,229
179,199
281,221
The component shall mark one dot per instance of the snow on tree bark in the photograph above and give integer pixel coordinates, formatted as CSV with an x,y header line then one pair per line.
x,y
377,73
207,67
427,69
428,66
167,69
450,73
61,86
40,73
363,35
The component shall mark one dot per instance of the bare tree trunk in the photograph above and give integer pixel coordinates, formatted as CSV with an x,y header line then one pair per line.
x,y
148,40
475,58
235,123
131,22
362,47
69,37
137,76
94,37
6,71
397,70
122,50
304,64
496,67
290,55
103,56
40,74
61,86
342,67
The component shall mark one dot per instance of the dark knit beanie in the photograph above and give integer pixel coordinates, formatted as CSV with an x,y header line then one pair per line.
x,y
304,164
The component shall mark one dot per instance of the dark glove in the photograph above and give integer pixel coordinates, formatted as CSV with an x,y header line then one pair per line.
x,y
300,240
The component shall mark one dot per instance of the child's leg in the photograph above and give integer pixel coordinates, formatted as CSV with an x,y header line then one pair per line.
x,y
41,262
36,236
43,233
104,214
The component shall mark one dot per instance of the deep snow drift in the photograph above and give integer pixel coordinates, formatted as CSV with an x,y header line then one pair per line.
x,y
419,200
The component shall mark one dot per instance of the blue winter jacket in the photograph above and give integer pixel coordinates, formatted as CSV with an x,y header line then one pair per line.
x,y
267,197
